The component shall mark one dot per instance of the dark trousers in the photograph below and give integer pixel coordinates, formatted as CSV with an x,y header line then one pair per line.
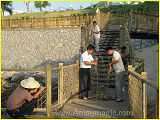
x,y
26,109
84,82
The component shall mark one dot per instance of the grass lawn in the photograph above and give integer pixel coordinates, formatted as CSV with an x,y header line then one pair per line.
x,y
44,14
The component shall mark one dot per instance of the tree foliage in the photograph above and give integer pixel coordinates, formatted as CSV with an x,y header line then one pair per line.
x,y
144,7
41,4
6,6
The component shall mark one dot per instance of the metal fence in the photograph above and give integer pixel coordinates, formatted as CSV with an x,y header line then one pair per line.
x,y
68,82
138,83
138,22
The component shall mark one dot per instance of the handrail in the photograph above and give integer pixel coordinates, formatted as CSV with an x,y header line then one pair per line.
x,y
137,66
71,65
139,83
139,77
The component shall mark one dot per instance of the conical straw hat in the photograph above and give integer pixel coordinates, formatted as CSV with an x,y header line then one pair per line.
x,y
30,83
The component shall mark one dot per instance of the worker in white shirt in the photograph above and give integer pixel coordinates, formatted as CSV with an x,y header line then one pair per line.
x,y
86,61
95,32
118,67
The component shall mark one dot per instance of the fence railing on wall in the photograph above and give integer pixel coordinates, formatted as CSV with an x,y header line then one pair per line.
x,y
136,21
49,22
138,92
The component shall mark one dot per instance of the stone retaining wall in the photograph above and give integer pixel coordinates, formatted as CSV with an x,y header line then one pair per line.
x,y
27,48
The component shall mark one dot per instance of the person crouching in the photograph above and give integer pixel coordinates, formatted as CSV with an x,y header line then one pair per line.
x,y
23,99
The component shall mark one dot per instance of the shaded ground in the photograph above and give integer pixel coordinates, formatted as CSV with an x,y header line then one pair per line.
x,y
95,108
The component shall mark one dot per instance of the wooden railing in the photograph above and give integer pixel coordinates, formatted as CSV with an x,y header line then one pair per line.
x,y
138,91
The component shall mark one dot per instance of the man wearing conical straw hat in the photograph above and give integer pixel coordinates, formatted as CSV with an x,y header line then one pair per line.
x,y
23,99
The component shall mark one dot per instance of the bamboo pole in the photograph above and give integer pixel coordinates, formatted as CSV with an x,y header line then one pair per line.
x,y
49,78
60,85
144,75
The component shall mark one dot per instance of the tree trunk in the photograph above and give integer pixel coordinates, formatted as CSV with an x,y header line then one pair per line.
x,y
2,12
40,9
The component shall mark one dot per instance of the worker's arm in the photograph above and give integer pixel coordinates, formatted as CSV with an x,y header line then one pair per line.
x,y
90,63
114,62
115,59
109,67
88,60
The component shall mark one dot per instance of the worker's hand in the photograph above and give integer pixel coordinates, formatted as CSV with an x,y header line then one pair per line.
x,y
110,64
109,71
42,88
95,62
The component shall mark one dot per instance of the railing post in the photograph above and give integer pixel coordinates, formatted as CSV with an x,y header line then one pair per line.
x,y
77,62
60,85
144,75
49,79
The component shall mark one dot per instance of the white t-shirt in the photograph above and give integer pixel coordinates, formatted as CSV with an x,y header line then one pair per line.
x,y
85,57
118,67
96,29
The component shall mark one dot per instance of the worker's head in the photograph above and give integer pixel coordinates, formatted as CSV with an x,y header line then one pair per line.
x,y
94,23
109,51
90,49
30,84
